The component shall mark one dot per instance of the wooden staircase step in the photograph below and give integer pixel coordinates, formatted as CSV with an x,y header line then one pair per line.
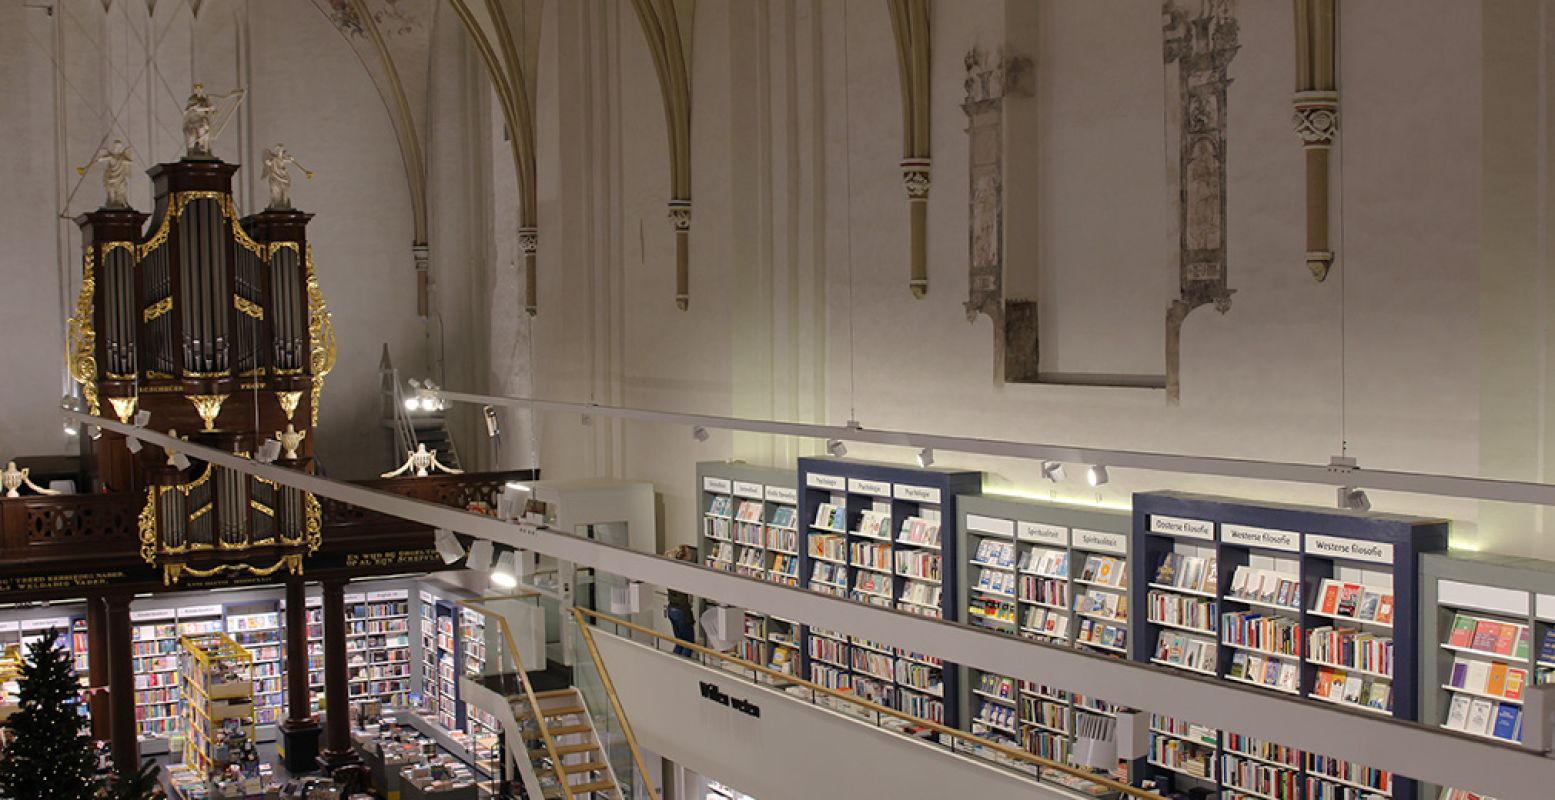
x,y
586,766
563,750
567,692
592,786
568,730
548,713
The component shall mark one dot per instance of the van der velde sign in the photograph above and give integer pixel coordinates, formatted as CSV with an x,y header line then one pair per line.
x,y
710,691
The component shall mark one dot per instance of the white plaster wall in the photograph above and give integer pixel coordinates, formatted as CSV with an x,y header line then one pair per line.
x,y
1383,358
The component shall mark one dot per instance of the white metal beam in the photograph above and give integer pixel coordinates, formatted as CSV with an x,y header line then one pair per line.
x,y
1284,471
1420,751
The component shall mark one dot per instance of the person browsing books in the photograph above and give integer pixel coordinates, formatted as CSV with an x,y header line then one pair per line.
x,y
681,616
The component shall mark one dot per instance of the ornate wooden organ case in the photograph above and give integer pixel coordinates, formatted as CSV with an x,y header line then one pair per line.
x,y
216,327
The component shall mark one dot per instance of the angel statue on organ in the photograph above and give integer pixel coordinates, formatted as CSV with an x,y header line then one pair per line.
x,y
199,114
277,171
116,158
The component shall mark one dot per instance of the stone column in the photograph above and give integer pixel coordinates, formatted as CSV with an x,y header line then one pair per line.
x,y
300,730
121,684
97,664
337,700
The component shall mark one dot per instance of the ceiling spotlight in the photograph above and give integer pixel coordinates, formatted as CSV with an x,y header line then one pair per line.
x,y
179,460
70,427
448,546
1053,471
926,458
142,418
481,553
1353,499
586,420
70,403
94,432
1096,476
505,574
836,448
268,452
518,487
493,425
132,444
699,433
412,403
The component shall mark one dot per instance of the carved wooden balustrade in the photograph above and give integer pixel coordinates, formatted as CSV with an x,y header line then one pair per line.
x,y
41,532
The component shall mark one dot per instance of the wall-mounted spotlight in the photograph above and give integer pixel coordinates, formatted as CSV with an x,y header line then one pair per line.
x,y
481,554
699,433
1353,499
836,448
142,418
132,444
268,452
1053,471
926,458
505,574
1096,476
493,425
448,546
179,460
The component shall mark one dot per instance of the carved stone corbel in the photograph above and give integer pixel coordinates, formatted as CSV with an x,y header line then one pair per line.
x,y
528,244
910,25
1316,120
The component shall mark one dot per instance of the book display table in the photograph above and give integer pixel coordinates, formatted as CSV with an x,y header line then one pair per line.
x,y
438,778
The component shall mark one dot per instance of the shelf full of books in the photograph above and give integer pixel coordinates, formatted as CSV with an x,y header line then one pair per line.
x,y
1308,602
750,526
378,646
1491,621
154,647
256,627
1052,573
874,533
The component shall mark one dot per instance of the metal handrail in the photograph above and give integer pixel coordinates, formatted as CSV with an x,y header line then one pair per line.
x,y
615,702
523,679
1005,750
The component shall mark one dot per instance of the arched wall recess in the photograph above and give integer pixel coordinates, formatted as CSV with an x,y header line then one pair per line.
x,y
506,34
910,25
393,42
667,26
1316,119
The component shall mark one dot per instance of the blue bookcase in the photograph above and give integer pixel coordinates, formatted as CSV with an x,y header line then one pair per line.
x,y
1312,602
882,534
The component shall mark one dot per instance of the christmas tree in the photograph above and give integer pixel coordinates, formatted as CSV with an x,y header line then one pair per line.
x,y
50,756
141,785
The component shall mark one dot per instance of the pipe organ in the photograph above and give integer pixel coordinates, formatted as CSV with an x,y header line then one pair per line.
x,y
216,327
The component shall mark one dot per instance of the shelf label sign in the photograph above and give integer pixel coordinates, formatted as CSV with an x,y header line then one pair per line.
x,y
819,481
876,488
390,594
13,627
1351,549
1055,535
1101,542
1485,598
1544,607
993,525
200,611
781,494
719,485
751,490
63,623
1289,541
1186,528
150,615
427,597
355,598
917,494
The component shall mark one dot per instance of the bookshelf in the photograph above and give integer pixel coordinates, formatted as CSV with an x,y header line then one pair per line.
x,y
378,652
256,626
218,707
750,526
1021,577
154,647
481,726
874,533
1310,602
427,627
1490,621
315,617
